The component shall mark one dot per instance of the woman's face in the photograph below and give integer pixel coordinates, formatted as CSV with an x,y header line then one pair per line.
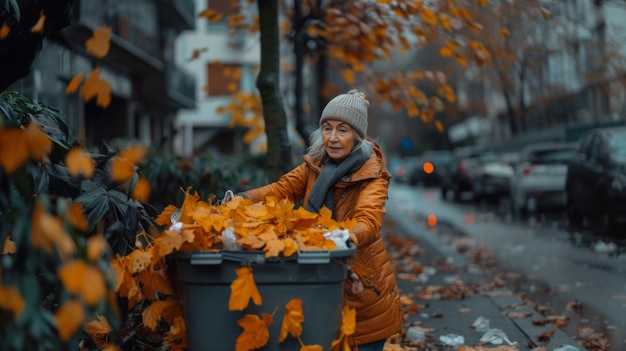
x,y
338,139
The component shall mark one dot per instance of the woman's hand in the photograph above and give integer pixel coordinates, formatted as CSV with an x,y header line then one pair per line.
x,y
227,197
356,285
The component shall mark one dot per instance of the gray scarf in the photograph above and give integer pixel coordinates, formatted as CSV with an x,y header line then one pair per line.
x,y
322,192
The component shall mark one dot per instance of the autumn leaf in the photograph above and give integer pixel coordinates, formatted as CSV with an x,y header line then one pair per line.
x,y
311,348
439,126
211,15
94,87
12,300
48,232
252,134
448,93
326,218
72,86
39,26
96,246
4,31
210,220
176,338
429,17
155,282
413,111
121,169
255,333
8,246
79,162
195,54
291,247
99,43
139,260
348,326
445,52
98,330
13,149
273,247
242,289
251,242
124,283
172,241
83,279
503,33
76,217
90,86
69,318
348,320
158,309
348,76
38,142
461,59
103,99
446,22
292,320
340,344
141,191
189,206
165,218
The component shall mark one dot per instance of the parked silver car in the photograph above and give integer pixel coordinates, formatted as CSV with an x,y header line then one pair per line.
x,y
493,175
539,178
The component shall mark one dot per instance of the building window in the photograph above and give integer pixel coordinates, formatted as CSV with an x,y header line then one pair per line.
x,y
223,79
555,69
226,8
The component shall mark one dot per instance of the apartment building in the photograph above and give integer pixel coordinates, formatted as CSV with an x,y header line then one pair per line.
x,y
148,87
225,62
571,68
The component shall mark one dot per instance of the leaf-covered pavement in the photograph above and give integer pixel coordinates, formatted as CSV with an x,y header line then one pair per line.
x,y
464,305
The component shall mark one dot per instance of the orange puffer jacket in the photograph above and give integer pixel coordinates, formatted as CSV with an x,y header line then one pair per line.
x,y
360,196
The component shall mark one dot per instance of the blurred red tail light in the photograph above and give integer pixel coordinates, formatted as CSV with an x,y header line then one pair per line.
x,y
462,167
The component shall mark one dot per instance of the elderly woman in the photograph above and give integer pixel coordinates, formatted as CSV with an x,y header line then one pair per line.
x,y
346,171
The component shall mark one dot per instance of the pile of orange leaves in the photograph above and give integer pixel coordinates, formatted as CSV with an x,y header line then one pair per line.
x,y
274,226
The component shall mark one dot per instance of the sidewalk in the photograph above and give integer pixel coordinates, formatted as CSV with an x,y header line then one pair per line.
x,y
444,295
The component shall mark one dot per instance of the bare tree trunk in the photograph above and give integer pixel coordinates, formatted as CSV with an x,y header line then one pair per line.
x,y
278,159
511,112
303,125
522,103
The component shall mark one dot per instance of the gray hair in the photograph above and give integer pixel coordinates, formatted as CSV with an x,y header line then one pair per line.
x,y
317,152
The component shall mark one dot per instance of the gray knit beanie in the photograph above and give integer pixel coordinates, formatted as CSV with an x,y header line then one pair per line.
x,y
350,108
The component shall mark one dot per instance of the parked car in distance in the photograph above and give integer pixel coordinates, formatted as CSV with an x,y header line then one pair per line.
x,y
395,165
538,180
458,177
403,168
492,179
595,183
432,164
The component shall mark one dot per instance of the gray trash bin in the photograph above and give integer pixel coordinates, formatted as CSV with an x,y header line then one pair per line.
x,y
315,277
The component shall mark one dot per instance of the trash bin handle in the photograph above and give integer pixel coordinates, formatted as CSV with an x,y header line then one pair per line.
x,y
215,258
313,257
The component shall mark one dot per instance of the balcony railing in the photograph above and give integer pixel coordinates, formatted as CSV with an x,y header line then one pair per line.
x,y
147,42
133,22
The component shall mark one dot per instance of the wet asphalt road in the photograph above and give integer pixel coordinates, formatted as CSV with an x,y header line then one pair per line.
x,y
574,272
